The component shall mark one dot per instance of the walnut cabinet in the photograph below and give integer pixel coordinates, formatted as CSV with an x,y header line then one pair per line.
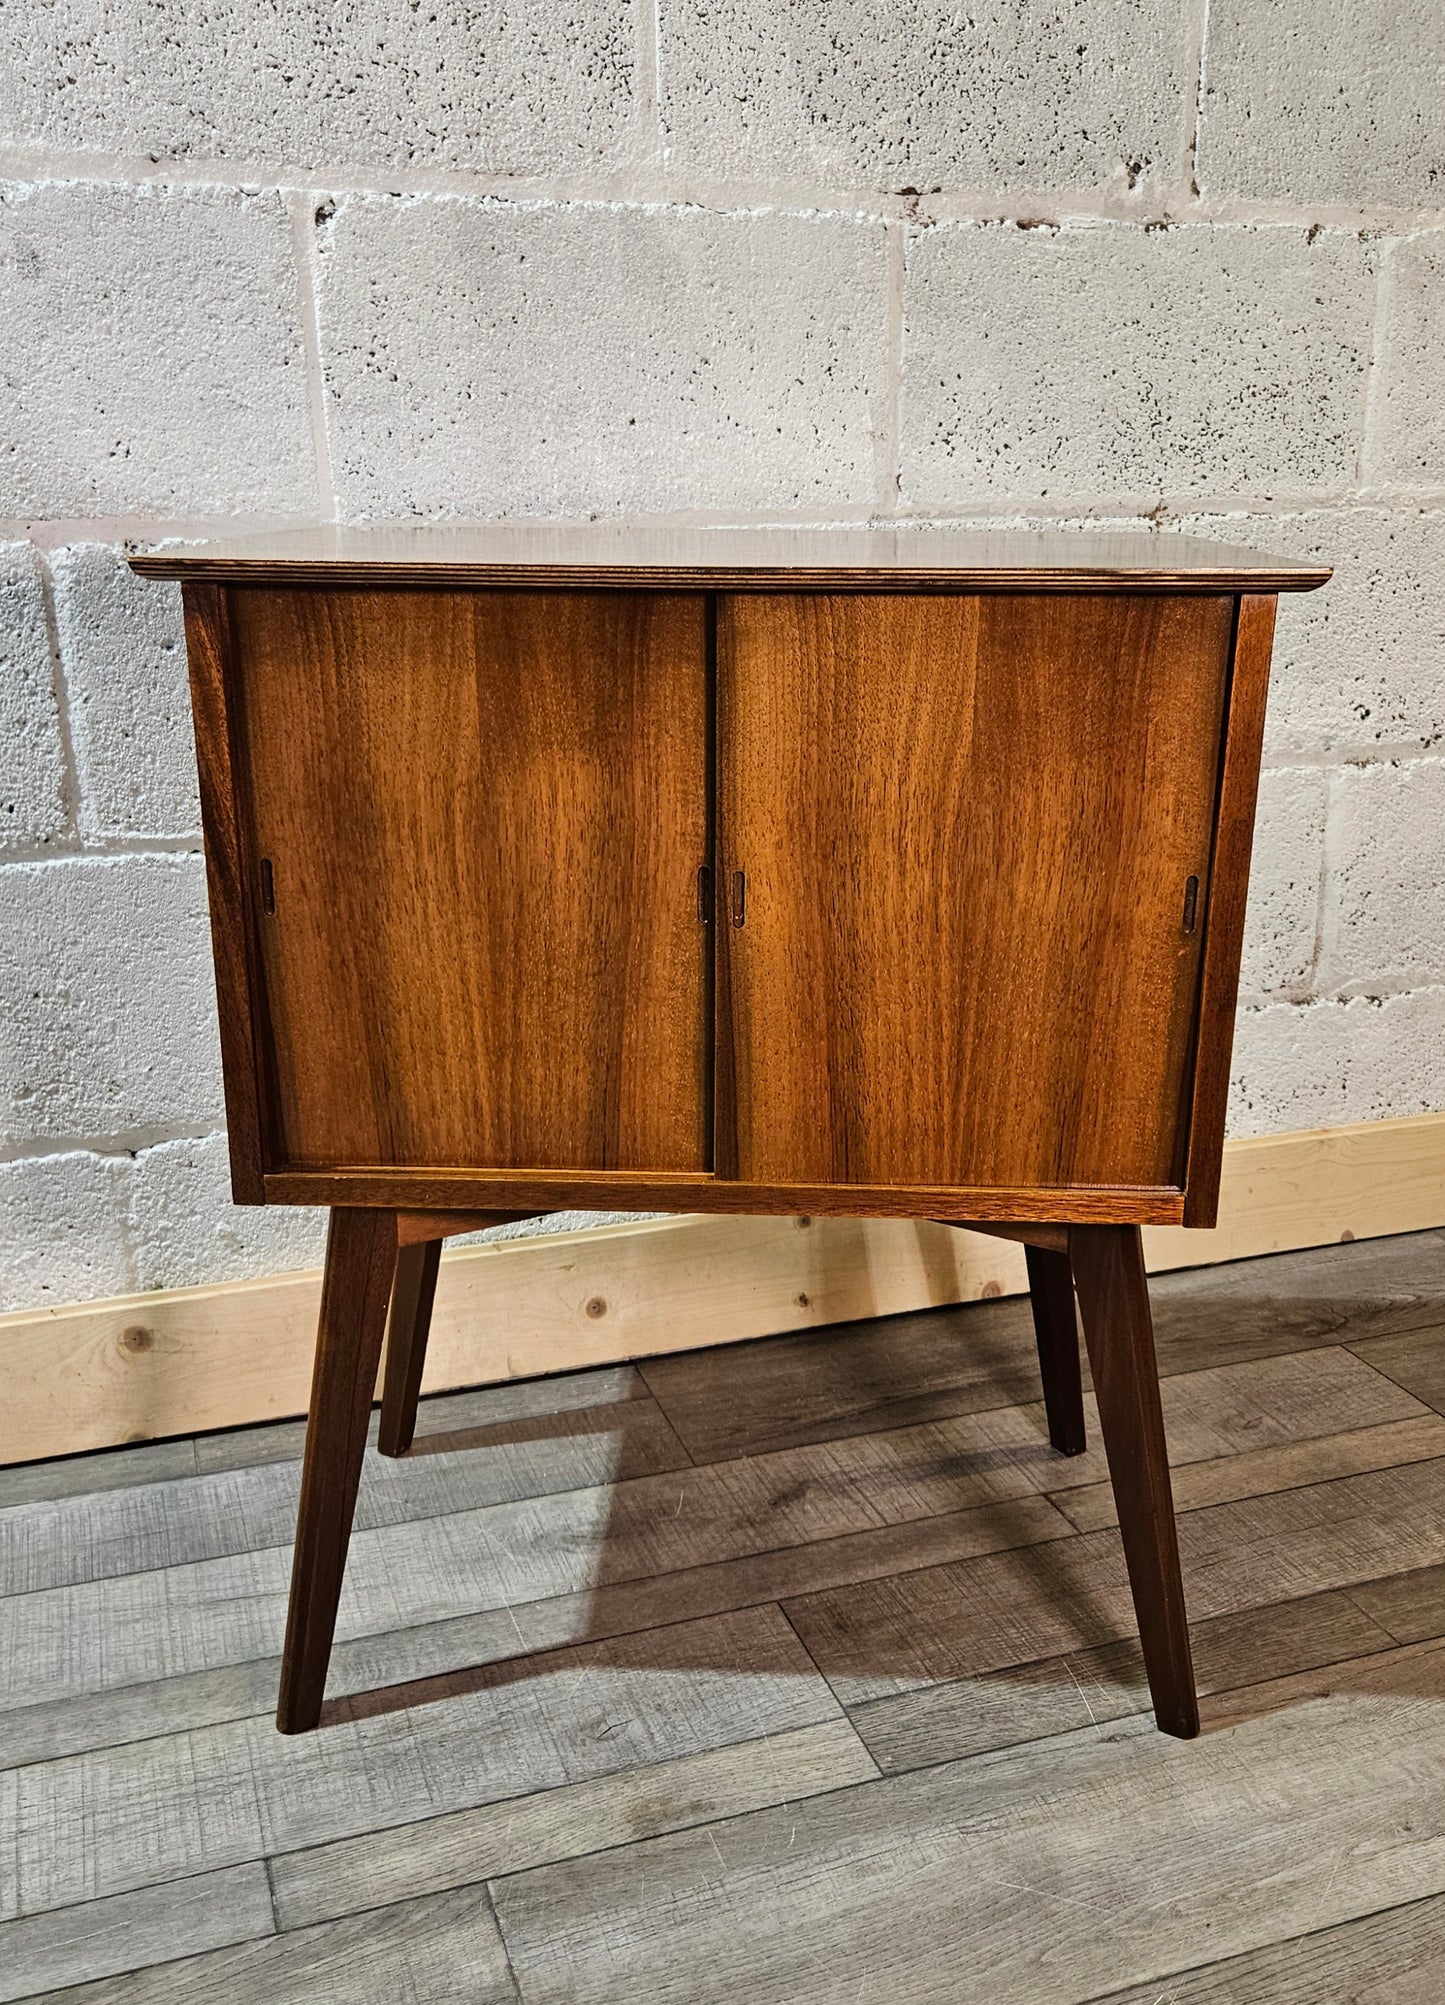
x,y
884,873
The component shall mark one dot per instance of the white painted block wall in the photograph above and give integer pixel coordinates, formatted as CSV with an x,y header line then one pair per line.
x,y
1083,260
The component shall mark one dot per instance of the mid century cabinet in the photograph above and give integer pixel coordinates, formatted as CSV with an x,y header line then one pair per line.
x,y
884,873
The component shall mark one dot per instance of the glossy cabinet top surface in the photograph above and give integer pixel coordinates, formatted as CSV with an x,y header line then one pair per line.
x,y
660,556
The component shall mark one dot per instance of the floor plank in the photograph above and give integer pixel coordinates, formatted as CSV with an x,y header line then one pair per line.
x,y
855,1379
56,1728
792,1496
73,1724
563,1823
980,1615
1414,1360
1292,1301
1256,1472
1403,1667
86,1475
1088,1687
197,1616
1241,1408
416,1518
1394,1958
821,1385
440,1414
1411,1605
127,1931
100,1823
431,1952
140,1529
1041,1876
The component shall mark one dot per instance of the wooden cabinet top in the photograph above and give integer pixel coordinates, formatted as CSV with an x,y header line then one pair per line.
x,y
620,554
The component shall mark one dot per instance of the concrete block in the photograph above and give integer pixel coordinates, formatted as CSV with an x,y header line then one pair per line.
x,y
1324,101
491,359
553,1223
1319,1064
1405,446
1359,666
62,1230
185,1232
1387,891
154,352
123,652
106,998
458,83
32,760
1009,94
1284,884
1113,360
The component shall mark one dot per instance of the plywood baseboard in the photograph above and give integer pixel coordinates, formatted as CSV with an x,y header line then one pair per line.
x,y
145,1366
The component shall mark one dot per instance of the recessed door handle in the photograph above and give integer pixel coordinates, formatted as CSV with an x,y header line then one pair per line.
x,y
739,898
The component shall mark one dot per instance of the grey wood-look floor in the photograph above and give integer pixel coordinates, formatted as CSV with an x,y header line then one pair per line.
x,y
797,1673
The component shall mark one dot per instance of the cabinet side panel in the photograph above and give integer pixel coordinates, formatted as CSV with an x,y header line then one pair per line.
x,y
208,651
483,815
1228,891
967,827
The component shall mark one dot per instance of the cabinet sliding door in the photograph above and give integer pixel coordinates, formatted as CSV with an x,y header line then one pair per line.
x,y
477,819
964,848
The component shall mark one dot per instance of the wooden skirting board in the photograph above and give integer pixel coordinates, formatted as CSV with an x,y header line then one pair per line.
x,y
145,1366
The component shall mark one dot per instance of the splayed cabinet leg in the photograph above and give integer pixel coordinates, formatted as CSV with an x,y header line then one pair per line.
x,y
360,1261
412,1296
1108,1264
1056,1329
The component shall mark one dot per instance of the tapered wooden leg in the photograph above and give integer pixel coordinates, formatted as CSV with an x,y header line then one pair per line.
x,y
1051,1292
412,1295
419,1236
1108,1263
360,1258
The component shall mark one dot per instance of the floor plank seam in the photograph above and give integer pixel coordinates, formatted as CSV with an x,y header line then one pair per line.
x,y
1390,1377
812,1659
1401,1642
271,1892
1362,1344
671,1425
511,1968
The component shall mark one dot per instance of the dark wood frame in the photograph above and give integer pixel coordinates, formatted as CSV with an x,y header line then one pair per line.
x,y
387,1226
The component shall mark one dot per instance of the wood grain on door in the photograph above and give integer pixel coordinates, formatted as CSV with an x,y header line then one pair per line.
x,y
975,833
